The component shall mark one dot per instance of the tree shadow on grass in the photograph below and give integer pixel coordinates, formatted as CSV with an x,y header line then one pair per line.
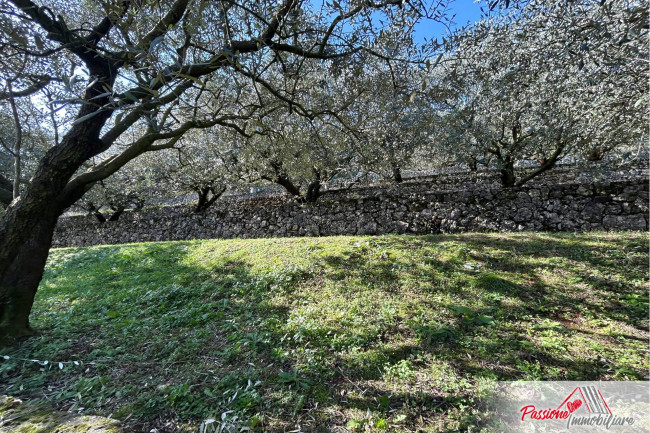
x,y
138,332
543,327
537,302
161,338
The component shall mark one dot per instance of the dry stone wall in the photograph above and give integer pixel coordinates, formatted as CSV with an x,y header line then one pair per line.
x,y
575,206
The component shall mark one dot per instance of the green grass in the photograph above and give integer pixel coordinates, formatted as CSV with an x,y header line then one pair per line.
x,y
391,333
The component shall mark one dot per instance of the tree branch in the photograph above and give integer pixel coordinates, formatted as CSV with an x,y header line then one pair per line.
x,y
38,85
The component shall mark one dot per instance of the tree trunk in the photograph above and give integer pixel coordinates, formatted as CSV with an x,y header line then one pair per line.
x,y
96,212
27,227
285,182
397,175
117,211
100,217
204,203
203,199
547,164
20,282
507,174
313,191
39,198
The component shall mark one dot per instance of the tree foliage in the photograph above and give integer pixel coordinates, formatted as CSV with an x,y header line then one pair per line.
x,y
545,81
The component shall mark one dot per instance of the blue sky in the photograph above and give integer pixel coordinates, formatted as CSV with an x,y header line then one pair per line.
x,y
465,11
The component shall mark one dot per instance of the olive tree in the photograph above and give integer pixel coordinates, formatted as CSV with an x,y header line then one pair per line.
x,y
130,188
203,163
550,80
392,113
300,155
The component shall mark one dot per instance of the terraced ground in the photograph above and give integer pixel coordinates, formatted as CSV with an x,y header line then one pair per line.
x,y
391,333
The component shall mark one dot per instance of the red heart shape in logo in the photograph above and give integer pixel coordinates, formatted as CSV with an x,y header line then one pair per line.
x,y
573,405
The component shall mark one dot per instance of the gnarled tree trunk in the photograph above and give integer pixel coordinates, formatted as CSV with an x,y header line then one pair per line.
x,y
286,183
507,172
27,228
6,195
205,201
546,163
313,191
20,282
397,174
117,212
96,212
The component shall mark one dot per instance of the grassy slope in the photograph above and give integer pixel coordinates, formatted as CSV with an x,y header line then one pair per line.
x,y
368,333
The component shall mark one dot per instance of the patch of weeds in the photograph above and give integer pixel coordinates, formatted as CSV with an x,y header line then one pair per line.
x,y
435,334
401,371
471,317
531,370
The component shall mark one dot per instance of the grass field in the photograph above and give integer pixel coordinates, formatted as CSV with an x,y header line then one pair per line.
x,y
390,333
